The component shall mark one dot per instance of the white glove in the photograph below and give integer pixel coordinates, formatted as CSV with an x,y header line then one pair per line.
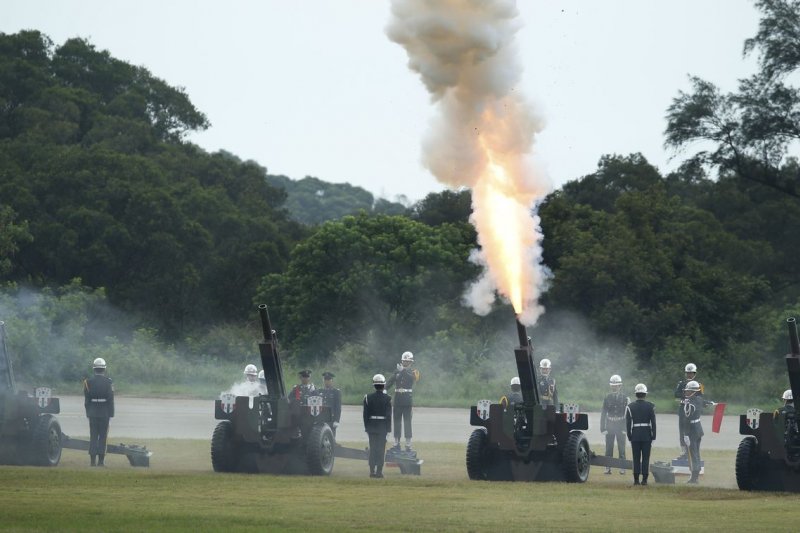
x,y
399,367
603,432
336,424
686,440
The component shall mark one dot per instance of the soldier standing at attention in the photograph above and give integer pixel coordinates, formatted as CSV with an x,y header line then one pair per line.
x,y
690,371
612,419
548,395
403,379
98,393
640,425
303,389
377,424
788,403
691,409
333,399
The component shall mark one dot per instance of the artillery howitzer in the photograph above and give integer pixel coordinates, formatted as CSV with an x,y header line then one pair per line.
x,y
530,441
30,434
768,458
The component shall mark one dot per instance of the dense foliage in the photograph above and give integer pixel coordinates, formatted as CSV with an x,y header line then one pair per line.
x,y
102,201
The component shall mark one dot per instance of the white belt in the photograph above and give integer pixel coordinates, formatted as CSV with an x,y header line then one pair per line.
x,y
641,425
99,400
403,390
614,418
694,421
377,418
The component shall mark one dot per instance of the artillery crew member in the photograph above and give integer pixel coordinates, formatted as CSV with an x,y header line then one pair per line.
x,y
548,395
690,371
252,385
791,433
377,423
304,389
98,393
515,396
612,419
788,403
691,409
403,380
640,425
262,382
333,399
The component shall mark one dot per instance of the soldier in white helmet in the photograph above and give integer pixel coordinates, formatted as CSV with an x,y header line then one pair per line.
x,y
691,411
690,372
612,419
98,396
377,423
548,394
788,403
403,380
251,387
515,396
640,425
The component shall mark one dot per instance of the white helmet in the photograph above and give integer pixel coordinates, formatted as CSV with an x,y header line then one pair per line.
x,y
787,395
691,367
99,363
407,356
250,370
692,386
515,381
640,388
615,380
545,363
378,379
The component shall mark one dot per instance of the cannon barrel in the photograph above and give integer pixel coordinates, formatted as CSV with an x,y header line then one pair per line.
x,y
525,368
793,357
522,334
270,359
794,342
266,327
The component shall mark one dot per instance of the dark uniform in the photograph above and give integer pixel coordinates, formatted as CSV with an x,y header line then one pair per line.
x,y
301,391
403,381
612,421
377,424
548,395
98,393
691,410
682,420
640,425
333,399
515,396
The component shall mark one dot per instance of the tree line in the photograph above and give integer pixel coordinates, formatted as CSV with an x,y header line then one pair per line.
x,y
99,190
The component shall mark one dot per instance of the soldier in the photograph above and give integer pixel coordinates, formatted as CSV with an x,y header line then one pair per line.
x,y
515,396
691,410
690,371
332,398
612,419
251,385
640,425
377,423
403,379
788,403
303,389
548,395
98,393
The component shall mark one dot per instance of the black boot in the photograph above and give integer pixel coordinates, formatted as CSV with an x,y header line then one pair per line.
x,y
693,479
644,479
101,459
379,473
636,479
92,460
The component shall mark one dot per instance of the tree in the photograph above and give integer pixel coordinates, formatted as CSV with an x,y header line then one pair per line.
x,y
748,131
11,235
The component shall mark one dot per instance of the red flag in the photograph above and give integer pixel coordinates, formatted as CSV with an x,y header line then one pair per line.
x,y
719,411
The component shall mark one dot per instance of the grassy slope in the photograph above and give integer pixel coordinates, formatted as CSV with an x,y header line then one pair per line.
x,y
181,493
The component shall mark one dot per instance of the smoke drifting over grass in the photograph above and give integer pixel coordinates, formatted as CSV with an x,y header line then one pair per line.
x,y
482,137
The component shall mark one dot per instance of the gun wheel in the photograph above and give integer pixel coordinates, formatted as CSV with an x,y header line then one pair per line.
x,y
747,463
223,448
477,454
319,450
575,460
46,445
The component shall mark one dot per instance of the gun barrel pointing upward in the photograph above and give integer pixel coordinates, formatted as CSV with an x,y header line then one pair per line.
x,y
794,343
265,324
522,334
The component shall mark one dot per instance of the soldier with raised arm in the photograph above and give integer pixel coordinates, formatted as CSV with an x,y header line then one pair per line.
x,y
403,380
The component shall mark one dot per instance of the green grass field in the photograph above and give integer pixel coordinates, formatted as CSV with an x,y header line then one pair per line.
x,y
180,492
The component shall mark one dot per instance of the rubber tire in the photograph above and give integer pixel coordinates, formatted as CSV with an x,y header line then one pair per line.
x,y
747,463
320,450
46,442
223,448
575,459
477,454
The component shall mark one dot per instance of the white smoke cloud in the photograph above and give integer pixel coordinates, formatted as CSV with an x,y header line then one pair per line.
x,y
482,137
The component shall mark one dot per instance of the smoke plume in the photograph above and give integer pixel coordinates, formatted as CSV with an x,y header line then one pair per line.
x,y
482,136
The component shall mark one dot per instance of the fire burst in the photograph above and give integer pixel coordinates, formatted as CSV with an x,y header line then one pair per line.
x,y
483,136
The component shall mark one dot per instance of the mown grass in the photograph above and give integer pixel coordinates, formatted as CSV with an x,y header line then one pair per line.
x,y
179,492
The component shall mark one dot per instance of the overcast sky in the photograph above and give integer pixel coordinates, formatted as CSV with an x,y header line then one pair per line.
x,y
315,88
